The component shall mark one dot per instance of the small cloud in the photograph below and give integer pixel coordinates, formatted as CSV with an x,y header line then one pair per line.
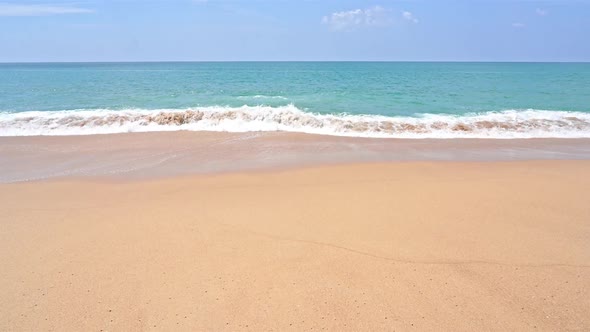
x,y
409,17
541,12
8,9
518,25
352,19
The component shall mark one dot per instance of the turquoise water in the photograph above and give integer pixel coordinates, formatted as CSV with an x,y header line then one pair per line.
x,y
377,99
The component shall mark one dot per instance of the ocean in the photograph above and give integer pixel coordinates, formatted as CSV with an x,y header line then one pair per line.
x,y
358,99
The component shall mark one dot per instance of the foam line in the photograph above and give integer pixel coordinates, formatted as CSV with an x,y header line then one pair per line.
x,y
499,125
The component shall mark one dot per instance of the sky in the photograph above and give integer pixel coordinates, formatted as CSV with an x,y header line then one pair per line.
x,y
294,30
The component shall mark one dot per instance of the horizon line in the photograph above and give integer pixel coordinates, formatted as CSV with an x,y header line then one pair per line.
x,y
284,61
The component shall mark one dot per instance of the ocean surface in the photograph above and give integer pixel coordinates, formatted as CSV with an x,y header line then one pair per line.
x,y
359,99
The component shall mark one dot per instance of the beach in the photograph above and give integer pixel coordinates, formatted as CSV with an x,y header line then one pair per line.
x,y
237,231
295,195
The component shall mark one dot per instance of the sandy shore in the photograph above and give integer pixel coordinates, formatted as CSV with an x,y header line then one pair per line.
x,y
166,154
387,246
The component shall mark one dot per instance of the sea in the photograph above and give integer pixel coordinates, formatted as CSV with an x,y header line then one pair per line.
x,y
414,100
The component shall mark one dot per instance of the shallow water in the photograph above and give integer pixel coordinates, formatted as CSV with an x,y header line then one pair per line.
x,y
359,99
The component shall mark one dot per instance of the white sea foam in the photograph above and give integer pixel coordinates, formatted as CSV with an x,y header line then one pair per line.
x,y
504,125
262,97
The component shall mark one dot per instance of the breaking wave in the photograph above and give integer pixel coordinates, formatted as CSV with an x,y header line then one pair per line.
x,y
262,97
503,124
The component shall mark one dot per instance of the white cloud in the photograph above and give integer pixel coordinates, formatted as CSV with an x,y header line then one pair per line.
x,y
541,12
410,17
8,9
518,25
352,19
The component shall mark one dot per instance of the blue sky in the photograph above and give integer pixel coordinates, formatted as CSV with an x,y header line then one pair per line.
x,y
233,30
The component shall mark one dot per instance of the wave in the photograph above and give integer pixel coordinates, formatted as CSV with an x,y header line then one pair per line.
x,y
501,125
262,97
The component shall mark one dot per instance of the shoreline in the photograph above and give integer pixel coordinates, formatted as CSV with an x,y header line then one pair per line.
x,y
500,124
168,154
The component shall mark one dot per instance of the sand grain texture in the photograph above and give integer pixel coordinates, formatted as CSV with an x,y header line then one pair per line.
x,y
398,246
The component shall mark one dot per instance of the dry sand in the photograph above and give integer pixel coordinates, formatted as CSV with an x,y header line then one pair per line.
x,y
398,246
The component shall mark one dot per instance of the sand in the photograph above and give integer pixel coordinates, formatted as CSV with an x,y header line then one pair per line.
x,y
457,246
165,154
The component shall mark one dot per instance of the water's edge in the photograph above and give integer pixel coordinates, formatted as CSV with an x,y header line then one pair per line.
x,y
164,154
507,124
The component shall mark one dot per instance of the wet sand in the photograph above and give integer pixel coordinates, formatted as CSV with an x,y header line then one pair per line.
x,y
457,246
166,154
